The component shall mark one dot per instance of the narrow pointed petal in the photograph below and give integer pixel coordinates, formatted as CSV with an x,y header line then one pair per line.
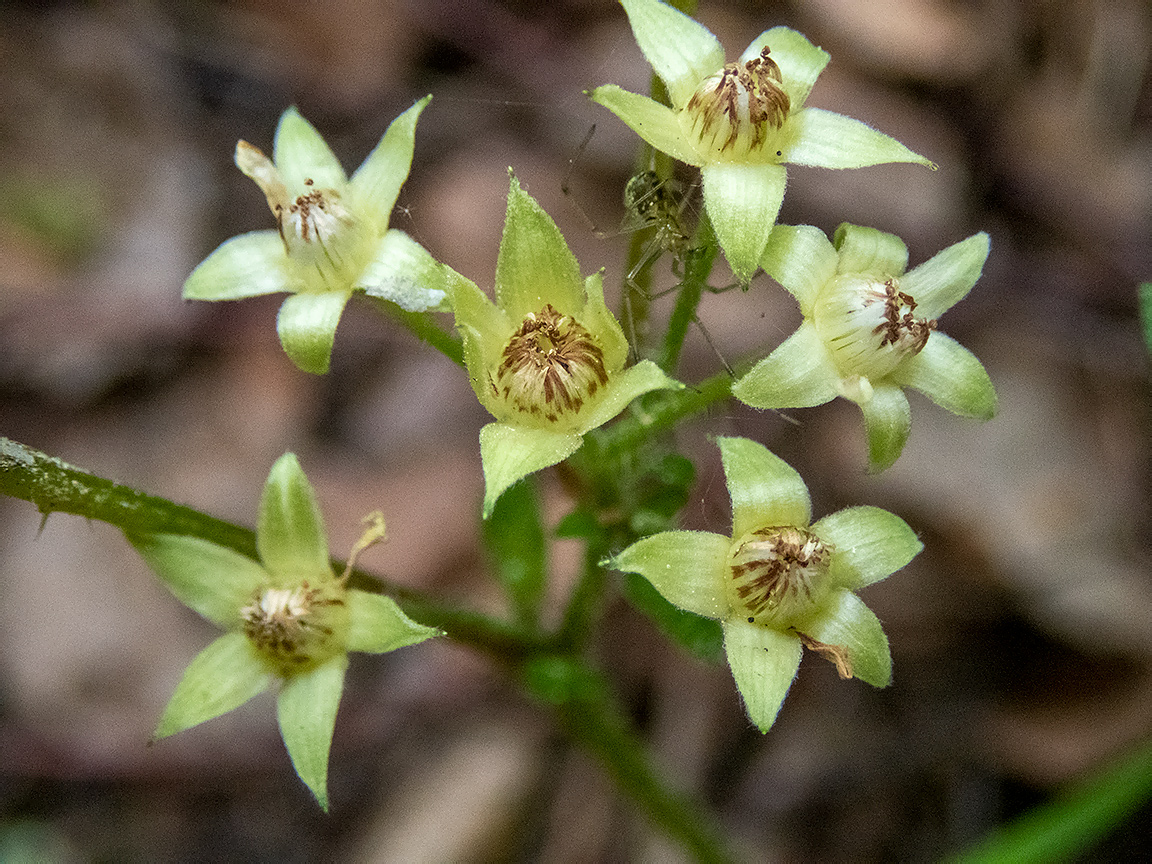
x,y
687,567
764,663
800,373
301,154
483,326
801,259
869,544
799,60
946,278
535,265
377,181
829,140
682,51
743,202
846,622
887,420
866,250
600,321
223,676
625,386
212,580
377,624
510,453
951,376
290,533
249,265
655,123
765,489
306,709
307,328
405,273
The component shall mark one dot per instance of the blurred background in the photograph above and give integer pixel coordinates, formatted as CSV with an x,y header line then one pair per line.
x,y
1021,637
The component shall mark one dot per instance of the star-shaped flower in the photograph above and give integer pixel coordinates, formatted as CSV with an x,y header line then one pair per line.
x,y
779,583
332,237
289,620
547,358
869,330
740,122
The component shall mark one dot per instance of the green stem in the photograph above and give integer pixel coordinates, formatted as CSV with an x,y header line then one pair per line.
x,y
587,597
662,411
424,326
697,268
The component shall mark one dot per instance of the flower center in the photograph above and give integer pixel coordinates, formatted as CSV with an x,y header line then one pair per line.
x,y
296,628
732,111
777,574
870,326
550,367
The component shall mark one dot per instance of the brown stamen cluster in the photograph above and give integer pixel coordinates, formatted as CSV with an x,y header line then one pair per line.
x,y
900,326
777,567
283,623
746,95
310,214
550,366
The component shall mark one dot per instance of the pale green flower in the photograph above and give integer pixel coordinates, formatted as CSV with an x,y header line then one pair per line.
x,y
332,237
779,584
869,330
289,622
740,122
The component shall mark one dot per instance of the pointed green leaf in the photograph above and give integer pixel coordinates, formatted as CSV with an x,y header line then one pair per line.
x,y
844,621
306,709
510,453
376,624
828,140
514,537
743,202
657,124
799,60
246,266
764,663
800,373
622,388
301,154
223,676
377,181
307,328
887,420
951,376
946,278
765,490
801,259
866,250
869,544
687,567
212,580
290,532
681,51
405,273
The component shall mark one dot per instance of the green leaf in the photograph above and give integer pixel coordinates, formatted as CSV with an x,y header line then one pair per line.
x,y
1145,300
290,531
701,637
799,60
869,544
249,265
764,663
887,421
403,272
946,278
510,453
514,537
844,621
377,624
951,376
307,328
655,123
801,259
828,140
687,567
800,373
306,709
743,201
765,490
867,250
301,154
223,676
681,51
377,181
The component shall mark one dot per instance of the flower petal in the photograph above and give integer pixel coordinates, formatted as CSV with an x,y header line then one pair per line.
x,y
801,259
307,328
800,373
743,202
764,663
484,328
887,420
687,567
602,324
301,154
377,624
869,544
246,266
951,376
535,265
290,531
510,453
799,60
405,273
205,577
946,278
829,140
306,709
623,387
765,490
223,676
377,181
682,51
867,250
844,621
655,123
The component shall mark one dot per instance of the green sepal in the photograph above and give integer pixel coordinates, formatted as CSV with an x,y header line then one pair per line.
x,y
701,637
824,139
887,421
290,533
868,250
223,676
802,260
681,51
510,453
307,328
599,320
376,624
800,373
655,123
687,568
306,709
743,201
625,386
300,153
514,537
377,181
765,490
951,376
799,60
764,663
946,278
249,265
869,544
405,273
844,621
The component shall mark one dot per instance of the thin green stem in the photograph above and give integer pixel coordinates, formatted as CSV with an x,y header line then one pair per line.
x,y
662,411
697,268
424,326
586,598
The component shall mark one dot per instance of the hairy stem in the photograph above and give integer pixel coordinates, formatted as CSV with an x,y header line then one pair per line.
x,y
424,326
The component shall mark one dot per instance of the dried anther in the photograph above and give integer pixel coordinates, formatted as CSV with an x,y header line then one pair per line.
x,y
778,571
747,96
